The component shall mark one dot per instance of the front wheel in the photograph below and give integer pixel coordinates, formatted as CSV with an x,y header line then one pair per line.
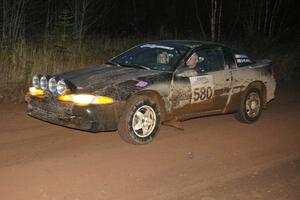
x,y
140,121
251,106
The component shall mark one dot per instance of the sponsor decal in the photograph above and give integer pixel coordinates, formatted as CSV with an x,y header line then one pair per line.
x,y
241,58
156,46
141,84
202,88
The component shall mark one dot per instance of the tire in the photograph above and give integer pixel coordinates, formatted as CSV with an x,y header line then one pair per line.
x,y
250,106
140,121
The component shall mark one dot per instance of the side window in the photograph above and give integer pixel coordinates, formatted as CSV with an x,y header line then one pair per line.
x,y
210,59
229,58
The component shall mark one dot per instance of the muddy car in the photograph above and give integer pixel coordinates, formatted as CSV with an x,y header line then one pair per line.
x,y
154,83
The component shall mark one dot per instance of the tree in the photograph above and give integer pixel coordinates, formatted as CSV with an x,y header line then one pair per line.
x,y
86,14
63,33
215,19
12,21
264,16
199,19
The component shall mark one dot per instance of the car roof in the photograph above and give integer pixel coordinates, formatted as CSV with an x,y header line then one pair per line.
x,y
186,43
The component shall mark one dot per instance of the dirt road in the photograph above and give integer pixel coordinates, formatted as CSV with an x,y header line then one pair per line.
x,y
213,158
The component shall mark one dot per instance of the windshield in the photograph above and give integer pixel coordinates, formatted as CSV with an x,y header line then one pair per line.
x,y
152,56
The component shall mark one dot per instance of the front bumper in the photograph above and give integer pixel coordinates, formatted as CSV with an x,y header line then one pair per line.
x,y
93,118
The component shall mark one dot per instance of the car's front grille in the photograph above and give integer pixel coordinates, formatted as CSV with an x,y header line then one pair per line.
x,y
52,105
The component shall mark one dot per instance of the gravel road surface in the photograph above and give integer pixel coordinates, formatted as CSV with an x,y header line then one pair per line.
x,y
214,158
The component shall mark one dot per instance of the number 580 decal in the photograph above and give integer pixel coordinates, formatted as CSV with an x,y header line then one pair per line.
x,y
203,93
202,88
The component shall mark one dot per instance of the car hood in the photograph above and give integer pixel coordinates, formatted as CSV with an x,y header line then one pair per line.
x,y
99,77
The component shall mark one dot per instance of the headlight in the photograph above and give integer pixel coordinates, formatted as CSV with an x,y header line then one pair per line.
x,y
36,92
35,81
61,87
52,85
85,99
43,83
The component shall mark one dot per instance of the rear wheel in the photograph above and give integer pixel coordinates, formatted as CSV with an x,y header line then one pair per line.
x,y
140,121
251,106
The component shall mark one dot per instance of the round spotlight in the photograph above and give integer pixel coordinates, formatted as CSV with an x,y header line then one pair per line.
x,y
52,85
43,82
35,81
61,87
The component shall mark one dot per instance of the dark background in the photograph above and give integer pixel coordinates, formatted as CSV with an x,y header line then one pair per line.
x,y
278,19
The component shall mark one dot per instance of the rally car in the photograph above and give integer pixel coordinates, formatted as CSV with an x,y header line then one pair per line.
x,y
152,84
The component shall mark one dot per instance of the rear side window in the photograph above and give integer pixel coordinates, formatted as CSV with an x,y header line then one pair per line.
x,y
229,58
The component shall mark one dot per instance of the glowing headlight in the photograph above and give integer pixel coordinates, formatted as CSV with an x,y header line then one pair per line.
x,y
85,99
61,87
36,92
35,81
52,85
102,100
43,83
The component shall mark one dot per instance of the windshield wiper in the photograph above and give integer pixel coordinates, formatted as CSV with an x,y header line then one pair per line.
x,y
112,63
136,66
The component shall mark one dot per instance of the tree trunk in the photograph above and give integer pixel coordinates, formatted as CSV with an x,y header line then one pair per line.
x,y
219,20
274,17
12,20
199,19
236,19
266,16
214,4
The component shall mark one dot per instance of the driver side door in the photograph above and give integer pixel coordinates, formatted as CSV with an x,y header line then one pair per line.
x,y
204,88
